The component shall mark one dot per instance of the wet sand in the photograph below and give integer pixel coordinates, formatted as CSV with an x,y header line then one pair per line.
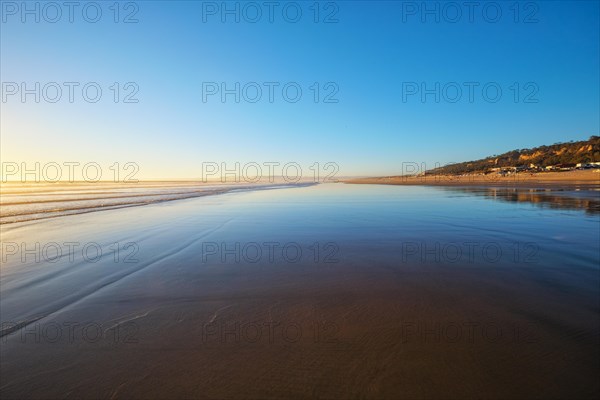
x,y
383,334
362,323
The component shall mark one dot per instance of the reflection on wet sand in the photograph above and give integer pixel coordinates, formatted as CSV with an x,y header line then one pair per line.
x,y
183,321
587,199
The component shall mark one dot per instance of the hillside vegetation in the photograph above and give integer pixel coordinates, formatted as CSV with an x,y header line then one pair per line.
x,y
559,153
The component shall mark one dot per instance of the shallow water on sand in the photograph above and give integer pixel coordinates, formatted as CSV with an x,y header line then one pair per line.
x,y
28,202
322,291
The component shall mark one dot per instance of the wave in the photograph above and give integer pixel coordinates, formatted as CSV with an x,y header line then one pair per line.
x,y
21,204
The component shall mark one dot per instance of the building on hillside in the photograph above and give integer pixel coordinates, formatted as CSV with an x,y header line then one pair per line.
x,y
585,166
565,167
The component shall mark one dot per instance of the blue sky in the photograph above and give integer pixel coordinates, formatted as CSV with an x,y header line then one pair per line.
x,y
373,51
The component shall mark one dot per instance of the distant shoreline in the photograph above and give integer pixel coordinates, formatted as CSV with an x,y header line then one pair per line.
x,y
523,179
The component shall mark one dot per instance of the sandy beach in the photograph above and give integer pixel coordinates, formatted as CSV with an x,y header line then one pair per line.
x,y
541,179
188,313
375,200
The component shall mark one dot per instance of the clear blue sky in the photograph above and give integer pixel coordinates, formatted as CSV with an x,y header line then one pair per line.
x,y
368,54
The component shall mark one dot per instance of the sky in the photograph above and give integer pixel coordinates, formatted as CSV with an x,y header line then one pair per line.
x,y
383,84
